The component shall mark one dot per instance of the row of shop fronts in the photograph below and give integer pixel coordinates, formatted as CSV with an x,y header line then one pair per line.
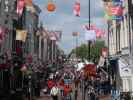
x,y
26,48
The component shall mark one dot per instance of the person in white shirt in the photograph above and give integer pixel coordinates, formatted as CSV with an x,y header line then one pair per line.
x,y
54,92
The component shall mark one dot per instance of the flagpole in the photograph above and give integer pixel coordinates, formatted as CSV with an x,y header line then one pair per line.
x,y
89,42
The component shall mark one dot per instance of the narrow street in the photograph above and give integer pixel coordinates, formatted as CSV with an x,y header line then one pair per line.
x,y
54,48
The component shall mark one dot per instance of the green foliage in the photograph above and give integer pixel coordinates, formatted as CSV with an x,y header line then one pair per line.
x,y
82,51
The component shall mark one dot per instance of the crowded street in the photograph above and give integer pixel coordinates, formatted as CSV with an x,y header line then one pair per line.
x,y
66,49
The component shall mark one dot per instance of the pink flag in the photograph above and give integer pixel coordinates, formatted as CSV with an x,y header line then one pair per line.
x,y
20,7
77,8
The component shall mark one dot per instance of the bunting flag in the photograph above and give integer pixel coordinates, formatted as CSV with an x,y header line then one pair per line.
x,y
21,35
2,34
76,9
30,8
28,2
20,7
75,33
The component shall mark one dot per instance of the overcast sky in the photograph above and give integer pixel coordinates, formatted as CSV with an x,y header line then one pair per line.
x,y
64,19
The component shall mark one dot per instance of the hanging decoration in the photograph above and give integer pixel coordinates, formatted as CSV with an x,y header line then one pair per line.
x,y
20,7
76,9
51,7
2,34
114,10
28,2
29,6
75,33
21,35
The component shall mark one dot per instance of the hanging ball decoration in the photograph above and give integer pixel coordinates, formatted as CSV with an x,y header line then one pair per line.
x,y
51,7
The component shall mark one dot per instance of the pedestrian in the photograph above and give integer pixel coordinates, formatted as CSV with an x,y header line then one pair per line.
x,y
76,94
50,84
54,92
92,95
67,92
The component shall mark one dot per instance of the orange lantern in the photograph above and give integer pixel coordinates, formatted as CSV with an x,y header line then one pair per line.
x,y
51,7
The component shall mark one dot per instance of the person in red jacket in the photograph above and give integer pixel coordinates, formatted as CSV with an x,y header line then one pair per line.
x,y
67,91
50,84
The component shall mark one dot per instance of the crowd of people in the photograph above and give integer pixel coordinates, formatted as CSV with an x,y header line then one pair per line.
x,y
67,84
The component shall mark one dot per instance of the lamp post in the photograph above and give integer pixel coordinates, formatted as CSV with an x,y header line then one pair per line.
x,y
89,42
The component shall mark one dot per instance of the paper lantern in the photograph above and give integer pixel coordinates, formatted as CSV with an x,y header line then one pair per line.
x,y
51,7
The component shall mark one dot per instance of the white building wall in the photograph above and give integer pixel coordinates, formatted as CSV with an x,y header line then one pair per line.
x,y
124,37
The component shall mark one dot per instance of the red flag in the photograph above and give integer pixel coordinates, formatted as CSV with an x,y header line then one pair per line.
x,y
20,7
77,8
117,10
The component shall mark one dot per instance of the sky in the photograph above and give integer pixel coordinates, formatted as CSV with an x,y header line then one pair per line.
x,y
64,19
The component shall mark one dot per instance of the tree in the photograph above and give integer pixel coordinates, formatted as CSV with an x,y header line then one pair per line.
x,y
82,51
